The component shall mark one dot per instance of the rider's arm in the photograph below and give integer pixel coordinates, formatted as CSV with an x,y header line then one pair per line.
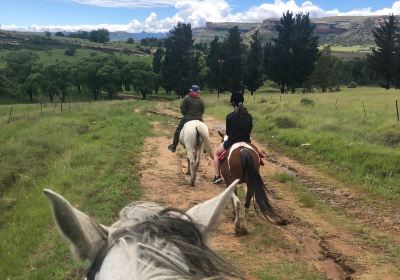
x,y
228,125
203,108
184,107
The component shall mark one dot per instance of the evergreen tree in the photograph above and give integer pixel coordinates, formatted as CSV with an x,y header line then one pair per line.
x,y
304,51
383,56
294,52
232,67
214,60
266,58
180,64
157,60
254,65
281,53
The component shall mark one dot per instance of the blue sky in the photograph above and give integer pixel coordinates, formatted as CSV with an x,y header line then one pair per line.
x,y
160,15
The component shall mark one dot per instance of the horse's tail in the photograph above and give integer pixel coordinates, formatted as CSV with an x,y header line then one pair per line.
x,y
257,187
203,132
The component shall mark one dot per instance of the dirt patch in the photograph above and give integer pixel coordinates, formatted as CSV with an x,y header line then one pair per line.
x,y
334,250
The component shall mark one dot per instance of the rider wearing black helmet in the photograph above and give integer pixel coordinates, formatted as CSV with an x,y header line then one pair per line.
x,y
239,124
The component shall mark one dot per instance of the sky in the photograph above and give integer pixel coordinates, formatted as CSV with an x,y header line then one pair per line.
x,y
162,15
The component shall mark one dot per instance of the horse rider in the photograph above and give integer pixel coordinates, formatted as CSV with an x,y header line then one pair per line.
x,y
192,108
239,124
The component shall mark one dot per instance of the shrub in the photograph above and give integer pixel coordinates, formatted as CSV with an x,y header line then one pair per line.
x,y
283,177
70,52
307,102
352,85
285,122
388,135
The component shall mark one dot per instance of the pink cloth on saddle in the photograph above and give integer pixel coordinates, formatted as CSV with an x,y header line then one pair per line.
x,y
223,155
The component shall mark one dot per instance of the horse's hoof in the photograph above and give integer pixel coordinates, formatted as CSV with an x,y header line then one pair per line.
x,y
239,231
282,222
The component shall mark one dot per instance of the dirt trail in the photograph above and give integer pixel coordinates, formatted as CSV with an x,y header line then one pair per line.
x,y
331,246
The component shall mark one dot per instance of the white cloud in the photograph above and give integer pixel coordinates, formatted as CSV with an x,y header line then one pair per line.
x,y
127,3
197,12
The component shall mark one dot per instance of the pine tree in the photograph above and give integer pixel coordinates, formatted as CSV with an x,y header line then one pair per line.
x,y
267,58
281,52
304,51
214,60
294,52
232,67
254,65
383,56
157,58
180,64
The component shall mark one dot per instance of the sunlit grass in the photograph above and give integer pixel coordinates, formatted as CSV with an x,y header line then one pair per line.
x,y
90,155
353,134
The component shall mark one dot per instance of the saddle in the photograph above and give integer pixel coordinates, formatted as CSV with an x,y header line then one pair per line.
x,y
224,154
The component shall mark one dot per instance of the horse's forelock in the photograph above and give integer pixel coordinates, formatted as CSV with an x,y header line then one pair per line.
x,y
170,242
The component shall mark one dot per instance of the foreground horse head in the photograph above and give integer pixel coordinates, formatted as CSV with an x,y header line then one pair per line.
x,y
242,161
195,138
147,242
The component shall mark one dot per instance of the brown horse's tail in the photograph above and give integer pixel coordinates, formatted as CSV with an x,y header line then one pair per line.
x,y
257,189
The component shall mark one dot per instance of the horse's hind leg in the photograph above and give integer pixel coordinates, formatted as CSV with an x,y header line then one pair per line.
x,y
236,207
188,167
249,195
193,169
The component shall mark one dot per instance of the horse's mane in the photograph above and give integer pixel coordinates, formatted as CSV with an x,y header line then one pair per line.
x,y
170,227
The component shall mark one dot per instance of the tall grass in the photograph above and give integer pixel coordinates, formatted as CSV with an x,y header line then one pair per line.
x,y
356,145
89,155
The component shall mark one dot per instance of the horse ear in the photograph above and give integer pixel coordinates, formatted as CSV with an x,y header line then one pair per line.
x,y
207,213
85,236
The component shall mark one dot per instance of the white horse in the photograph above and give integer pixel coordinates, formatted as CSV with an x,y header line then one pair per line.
x,y
147,242
195,138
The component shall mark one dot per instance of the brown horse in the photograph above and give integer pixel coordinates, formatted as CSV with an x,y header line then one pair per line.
x,y
242,161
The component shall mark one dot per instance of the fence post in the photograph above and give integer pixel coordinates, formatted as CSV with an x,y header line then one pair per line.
x,y
337,100
365,112
61,105
397,109
41,109
9,116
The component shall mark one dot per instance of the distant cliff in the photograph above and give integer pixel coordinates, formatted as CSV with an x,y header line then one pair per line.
x,y
347,31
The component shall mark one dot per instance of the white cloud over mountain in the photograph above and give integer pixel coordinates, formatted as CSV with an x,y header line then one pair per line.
x,y
197,12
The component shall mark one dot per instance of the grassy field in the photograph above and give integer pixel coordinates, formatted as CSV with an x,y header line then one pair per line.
x,y
350,52
359,146
89,155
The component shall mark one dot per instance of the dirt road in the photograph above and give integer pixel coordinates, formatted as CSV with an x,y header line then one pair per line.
x,y
343,235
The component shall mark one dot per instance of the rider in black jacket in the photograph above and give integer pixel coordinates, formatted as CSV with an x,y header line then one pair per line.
x,y
239,124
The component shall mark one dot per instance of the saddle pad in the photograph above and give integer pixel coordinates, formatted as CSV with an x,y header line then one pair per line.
x,y
222,157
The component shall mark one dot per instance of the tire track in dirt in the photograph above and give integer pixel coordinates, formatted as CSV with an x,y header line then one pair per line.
x,y
333,250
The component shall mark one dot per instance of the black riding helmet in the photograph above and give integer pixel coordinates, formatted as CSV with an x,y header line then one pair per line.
x,y
237,98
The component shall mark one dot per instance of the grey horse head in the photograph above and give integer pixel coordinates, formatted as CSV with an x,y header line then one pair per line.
x,y
148,241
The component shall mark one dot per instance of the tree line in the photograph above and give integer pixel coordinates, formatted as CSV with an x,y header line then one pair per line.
x,y
100,36
24,75
292,61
